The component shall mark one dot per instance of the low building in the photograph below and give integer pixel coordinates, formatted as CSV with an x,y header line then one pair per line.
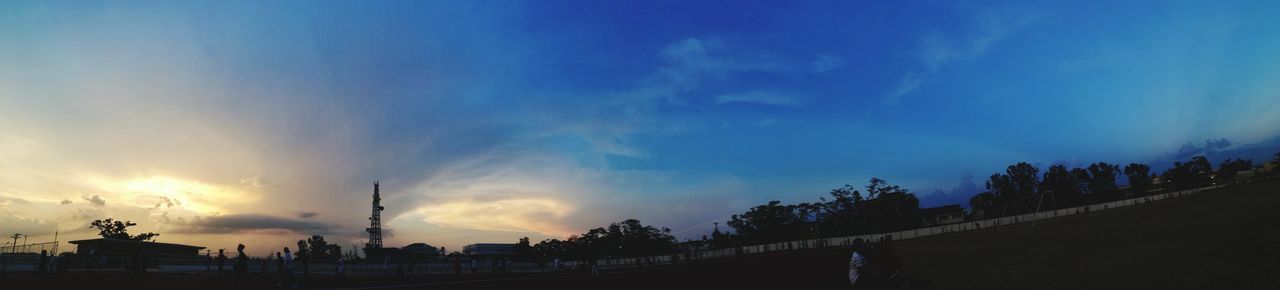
x,y
942,215
123,248
489,250
421,250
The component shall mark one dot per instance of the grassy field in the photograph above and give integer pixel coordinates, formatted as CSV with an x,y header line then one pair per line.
x,y
1224,239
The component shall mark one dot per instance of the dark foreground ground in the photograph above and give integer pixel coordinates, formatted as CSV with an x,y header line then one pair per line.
x,y
1226,239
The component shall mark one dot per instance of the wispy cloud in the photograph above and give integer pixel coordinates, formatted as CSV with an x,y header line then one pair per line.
x,y
513,215
908,84
95,200
761,97
827,62
938,50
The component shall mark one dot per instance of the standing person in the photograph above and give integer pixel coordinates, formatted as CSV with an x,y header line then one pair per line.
x,y
288,269
288,260
222,261
593,265
595,268
341,263
44,262
284,268
279,264
242,265
306,263
457,265
856,263
139,264
386,264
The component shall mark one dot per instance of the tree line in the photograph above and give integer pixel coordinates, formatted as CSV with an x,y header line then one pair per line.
x,y
628,238
880,206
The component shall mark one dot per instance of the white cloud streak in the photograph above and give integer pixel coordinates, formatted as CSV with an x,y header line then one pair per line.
x,y
938,50
761,97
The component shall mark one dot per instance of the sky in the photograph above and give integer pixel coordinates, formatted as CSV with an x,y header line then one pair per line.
x,y
223,122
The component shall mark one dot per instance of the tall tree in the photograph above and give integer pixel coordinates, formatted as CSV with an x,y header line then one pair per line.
x,y
1139,177
1058,180
549,248
889,207
983,205
1025,178
1082,178
1102,182
770,222
1191,174
523,248
1012,189
1228,169
303,249
839,215
321,249
114,229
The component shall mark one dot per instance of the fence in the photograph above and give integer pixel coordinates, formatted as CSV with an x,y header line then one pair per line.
x,y
33,248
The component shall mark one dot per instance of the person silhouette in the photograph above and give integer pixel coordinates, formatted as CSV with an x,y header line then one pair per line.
x,y
341,264
242,265
222,261
44,262
287,270
279,265
280,271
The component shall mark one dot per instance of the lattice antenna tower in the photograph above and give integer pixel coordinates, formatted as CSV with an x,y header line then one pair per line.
x,y
375,221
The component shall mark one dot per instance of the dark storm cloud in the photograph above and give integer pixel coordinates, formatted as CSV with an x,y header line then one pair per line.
x,y
238,223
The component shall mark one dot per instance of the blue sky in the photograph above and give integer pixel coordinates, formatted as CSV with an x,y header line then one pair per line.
x,y
488,121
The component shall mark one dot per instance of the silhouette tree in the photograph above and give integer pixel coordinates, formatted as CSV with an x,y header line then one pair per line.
x,y
1102,181
1082,178
838,216
320,249
1024,177
1000,187
889,207
983,205
523,248
549,248
1066,192
886,207
1229,168
770,222
113,229
1139,177
628,238
1192,174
